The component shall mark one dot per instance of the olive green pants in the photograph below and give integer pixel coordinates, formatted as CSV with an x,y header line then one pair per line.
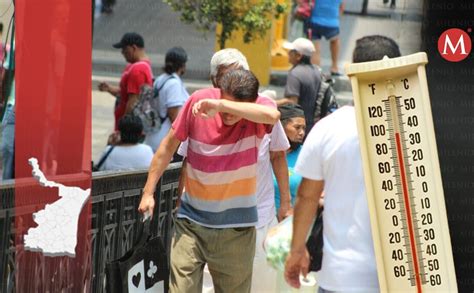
x,y
228,252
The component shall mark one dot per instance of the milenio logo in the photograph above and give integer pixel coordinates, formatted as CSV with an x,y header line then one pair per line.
x,y
454,44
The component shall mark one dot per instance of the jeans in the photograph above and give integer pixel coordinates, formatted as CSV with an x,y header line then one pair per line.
x,y
7,144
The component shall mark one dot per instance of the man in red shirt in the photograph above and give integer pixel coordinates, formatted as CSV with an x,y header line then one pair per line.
x,y
137,73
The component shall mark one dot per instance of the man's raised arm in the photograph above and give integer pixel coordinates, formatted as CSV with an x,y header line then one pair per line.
x,y
251,111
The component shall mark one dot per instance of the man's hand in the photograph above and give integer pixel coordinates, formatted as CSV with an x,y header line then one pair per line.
x,y
284,212
206,108
307,200
296,263
287,100
104,87
114,138
147,204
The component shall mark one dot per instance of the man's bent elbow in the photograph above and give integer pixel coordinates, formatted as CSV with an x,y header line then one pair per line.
x,y
273,117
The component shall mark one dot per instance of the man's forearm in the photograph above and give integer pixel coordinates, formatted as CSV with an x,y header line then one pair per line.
x,y
132,101
114,91
182,175
280,169
160,161
306,205
287,100
251,111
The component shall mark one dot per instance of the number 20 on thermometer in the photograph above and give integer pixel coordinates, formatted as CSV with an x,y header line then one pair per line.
x,y
402,175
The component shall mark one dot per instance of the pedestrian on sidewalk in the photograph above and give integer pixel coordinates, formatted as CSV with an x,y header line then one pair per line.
x,y
330,159
171,94
271,152
216,218
304,79
7,142
128,153
137,73
324,22
271,155
4,48
293,120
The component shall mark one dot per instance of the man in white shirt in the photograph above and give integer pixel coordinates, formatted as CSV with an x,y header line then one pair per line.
x,y
331,160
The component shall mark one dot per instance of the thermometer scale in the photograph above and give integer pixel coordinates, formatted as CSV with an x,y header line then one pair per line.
x,y
402,175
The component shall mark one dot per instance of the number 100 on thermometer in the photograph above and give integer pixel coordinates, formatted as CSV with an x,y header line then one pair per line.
x,y
402,175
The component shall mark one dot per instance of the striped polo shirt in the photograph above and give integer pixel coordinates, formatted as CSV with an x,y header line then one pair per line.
x,y
220,186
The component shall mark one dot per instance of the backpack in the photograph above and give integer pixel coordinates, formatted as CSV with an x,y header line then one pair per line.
x,y
326,102
147,107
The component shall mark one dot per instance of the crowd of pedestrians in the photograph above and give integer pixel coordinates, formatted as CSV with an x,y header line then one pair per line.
x,y
248,160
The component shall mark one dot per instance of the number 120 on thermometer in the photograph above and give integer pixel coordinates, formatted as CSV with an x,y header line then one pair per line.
x,y
402,175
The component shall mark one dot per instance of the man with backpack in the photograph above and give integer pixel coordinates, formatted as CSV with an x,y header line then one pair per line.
x,y
305,84
169,95
135,75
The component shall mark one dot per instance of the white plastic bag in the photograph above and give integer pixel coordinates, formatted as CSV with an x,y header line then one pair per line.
x,y
277,243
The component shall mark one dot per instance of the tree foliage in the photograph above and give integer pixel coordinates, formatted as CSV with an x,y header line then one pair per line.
x,y
251,16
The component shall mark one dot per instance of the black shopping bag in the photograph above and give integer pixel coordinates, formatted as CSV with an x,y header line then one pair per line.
x,y
144,268
314,244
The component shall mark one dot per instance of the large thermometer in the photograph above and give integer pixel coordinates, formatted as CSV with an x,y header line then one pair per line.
x,y
402,175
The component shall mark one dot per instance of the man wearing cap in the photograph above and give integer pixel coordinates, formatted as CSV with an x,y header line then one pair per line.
x,y
303,80
137,73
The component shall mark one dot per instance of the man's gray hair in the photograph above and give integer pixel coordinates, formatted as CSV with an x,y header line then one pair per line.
x,y
228,57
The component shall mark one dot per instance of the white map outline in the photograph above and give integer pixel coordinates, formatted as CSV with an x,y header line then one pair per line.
x,y
56,233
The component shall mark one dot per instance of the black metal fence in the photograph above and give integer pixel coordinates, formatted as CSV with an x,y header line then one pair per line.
x,y
115,198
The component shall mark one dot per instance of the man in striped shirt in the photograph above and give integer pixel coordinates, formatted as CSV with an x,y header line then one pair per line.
x,y
217,216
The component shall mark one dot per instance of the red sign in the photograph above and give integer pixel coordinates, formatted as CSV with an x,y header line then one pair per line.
x,y
53,145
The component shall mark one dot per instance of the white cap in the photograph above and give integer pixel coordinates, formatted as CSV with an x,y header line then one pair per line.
x,y
301,45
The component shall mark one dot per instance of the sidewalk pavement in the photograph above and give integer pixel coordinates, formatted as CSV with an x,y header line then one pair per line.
x,y
161,29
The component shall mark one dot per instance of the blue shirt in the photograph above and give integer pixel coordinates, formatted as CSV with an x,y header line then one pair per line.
x,y
172,94
326,13
295,179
